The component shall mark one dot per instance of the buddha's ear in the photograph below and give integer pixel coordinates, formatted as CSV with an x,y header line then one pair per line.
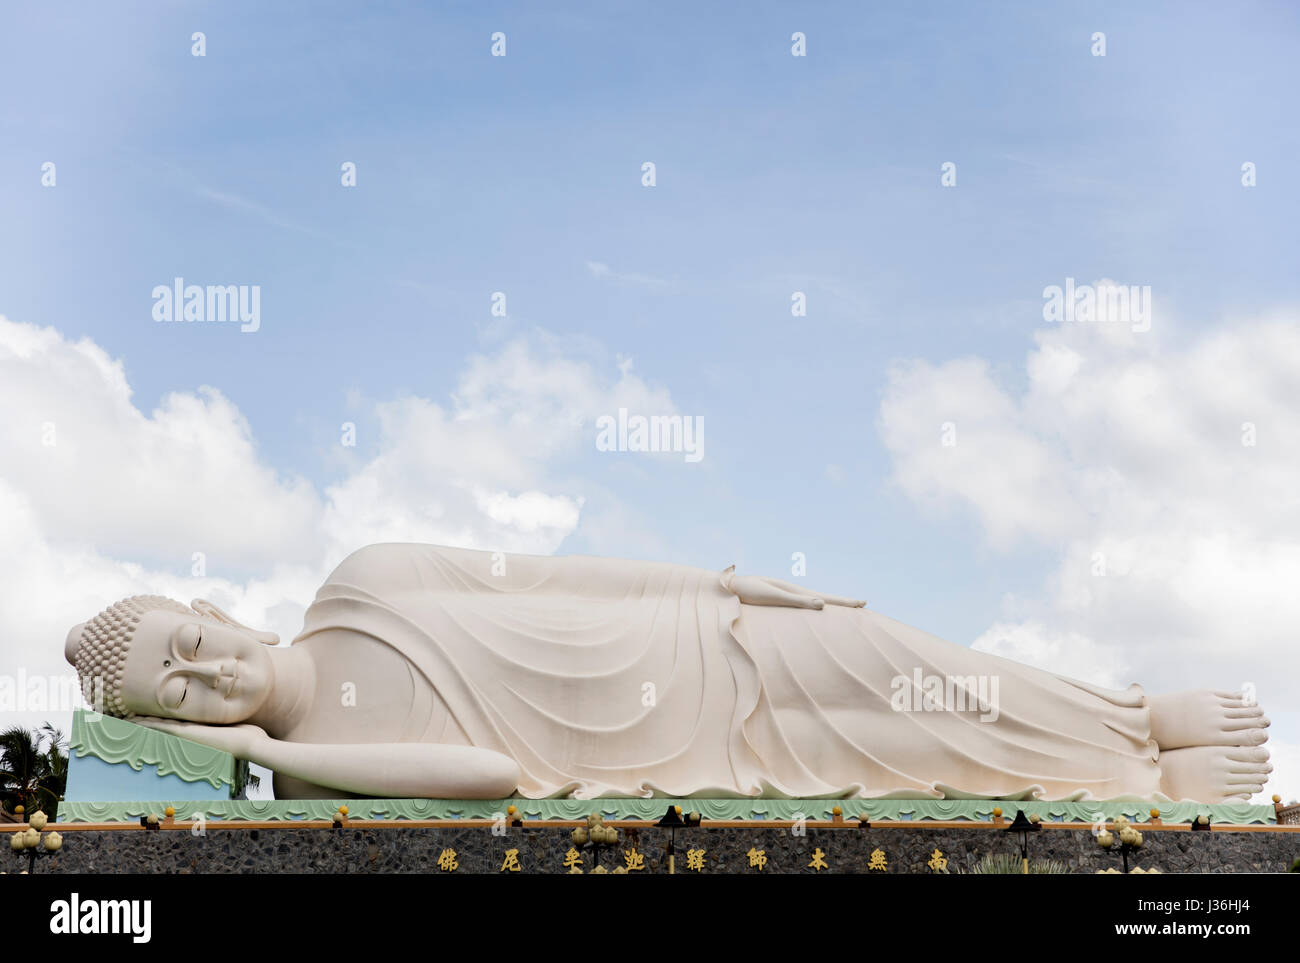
x,y
204,607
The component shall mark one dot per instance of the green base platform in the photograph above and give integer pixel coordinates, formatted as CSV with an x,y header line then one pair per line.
x,y
876,809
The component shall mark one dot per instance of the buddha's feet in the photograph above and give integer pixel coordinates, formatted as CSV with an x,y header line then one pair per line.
x,y
1204,718
1210,745
1214,774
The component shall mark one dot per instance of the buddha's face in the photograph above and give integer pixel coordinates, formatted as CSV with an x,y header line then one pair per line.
x,y
193,668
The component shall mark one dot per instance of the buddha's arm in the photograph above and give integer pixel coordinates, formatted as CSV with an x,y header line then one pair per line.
x,y
441,568
394,770
386,770
583,576
593,577
420,569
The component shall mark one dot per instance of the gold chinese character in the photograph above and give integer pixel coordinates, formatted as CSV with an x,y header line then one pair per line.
x,y
695,859
447,861
757,857
878,860
512,861
572,859
937,862
819,860
633,859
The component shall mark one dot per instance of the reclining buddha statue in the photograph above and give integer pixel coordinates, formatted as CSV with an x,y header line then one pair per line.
x,y
432,672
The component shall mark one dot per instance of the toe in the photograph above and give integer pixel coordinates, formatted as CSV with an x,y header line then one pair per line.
x,y
1254,771
1246,754
1243,791
1243,712
1237,780
1251,722
1238,797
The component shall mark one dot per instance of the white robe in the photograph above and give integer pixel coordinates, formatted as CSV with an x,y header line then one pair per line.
x,y
622,678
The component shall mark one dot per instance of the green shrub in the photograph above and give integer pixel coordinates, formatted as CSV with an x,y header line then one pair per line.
x,y
1010,864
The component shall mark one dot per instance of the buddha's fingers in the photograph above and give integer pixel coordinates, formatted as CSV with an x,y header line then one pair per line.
x,y
753,590
843,600
799,590
236,739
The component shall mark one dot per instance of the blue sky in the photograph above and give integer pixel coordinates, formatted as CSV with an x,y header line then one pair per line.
x,y
775,174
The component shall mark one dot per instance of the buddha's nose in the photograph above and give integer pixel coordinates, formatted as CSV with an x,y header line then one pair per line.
x,y
209,672
73,642
213,672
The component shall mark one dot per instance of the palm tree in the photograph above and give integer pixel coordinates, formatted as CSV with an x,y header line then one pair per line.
x,y
33,774
56,754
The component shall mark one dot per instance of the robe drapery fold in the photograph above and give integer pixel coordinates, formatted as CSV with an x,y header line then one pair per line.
x,y
622,678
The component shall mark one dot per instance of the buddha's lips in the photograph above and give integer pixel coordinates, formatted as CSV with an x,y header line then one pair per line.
x,y
234,679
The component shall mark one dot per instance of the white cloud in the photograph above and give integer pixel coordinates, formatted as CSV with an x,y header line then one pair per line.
x,y
1018,492
97,470
603,272
1285,757
472,473
1069,654
1123,453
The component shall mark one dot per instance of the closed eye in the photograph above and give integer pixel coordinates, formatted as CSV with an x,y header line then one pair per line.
x,y
184,693
199,642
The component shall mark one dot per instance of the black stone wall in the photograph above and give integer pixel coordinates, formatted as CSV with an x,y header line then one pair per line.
x,y
542,850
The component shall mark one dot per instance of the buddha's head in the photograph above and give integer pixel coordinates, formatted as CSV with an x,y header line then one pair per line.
x,y
151,656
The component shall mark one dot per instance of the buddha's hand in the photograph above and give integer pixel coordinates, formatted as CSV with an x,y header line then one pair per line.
x,y
238,740
760,590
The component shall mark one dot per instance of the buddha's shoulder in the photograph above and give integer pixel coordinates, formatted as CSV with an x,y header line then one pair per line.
x,y
380,551
387,554
401,566
382,557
